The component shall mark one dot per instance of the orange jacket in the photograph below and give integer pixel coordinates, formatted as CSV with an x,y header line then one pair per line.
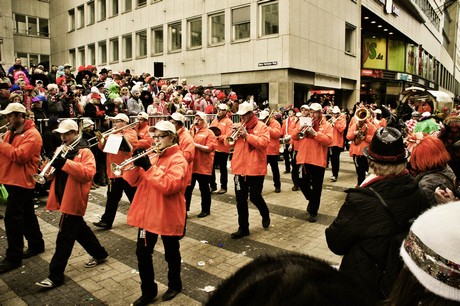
x,y
289,124
250,154
19,160
313,151
81,171
274,129
203,161
338,128
358,149
224,124
159,203
187,146
145,141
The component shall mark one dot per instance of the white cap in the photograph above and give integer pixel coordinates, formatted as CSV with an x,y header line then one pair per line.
x,y
336,110
378,111
143,115
305,106
245,108
316,107
178,117
121,117
87,122
14,108
223,106
426,114
263,114
65,126
201,115
164,126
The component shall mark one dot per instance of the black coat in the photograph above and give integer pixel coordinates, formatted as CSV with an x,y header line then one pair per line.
x,y
363,229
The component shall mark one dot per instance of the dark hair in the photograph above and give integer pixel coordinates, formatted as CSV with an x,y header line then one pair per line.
x,y
288,279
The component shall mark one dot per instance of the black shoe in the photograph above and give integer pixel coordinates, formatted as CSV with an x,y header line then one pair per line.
x,y
6,265
266,222
102,224
213,190
287,171
295,188
170,294
313,218
142,301
31,253
203,214
240,234
102,183
277,190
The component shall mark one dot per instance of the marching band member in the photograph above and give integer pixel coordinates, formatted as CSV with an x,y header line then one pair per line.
x,y
287,127
360,132
273,149
222,150
205,144
249,166
311,157
379,121
69,193
19,157
158,208
142,130
294,146
339,123
117,184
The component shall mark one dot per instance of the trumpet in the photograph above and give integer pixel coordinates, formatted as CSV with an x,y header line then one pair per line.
x,y
100,137
234,136
62,151
305,128
118,169
2,127
361,116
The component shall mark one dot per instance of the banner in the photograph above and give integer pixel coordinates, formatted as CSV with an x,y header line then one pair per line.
x,y
374,53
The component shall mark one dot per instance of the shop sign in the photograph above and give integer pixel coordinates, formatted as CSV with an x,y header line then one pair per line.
x,y
378,74
263,64
389,7
323,92
374,53
404,77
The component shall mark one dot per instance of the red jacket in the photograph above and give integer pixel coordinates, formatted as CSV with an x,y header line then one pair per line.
x,y
358,149
338,129
203,161
145,141
274,129
19,160
159,203
187,146
81,171
224,124
250,154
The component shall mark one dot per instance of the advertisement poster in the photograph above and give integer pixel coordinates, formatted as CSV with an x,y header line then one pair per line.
x,y
396,55
374,53
411,59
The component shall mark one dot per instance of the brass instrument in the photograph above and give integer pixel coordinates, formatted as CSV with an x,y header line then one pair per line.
x,y
2,127
62,151
361,116
100,137
304,129
333,120
118,169
267,120
234,136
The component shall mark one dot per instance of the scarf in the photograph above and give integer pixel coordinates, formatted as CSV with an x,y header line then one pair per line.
x,y
251,124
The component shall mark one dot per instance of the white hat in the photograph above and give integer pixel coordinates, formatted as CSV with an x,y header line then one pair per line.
x,y
65,126
14,108
121,117
165,126
336,110
223,106
299,114
143,115
378,111
245,108
178,117
316,107
201,115
305,106
431,250
426,114
87,122
263,114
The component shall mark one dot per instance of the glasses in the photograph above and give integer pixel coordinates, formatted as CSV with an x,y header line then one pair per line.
x,y
159,137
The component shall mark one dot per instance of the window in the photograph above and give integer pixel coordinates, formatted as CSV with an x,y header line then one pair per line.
x,y
81,56
127,47
24,58
175,36
20,24
71,20
157,40
128,5
350,38
43,27
270,19
103,52
114,50
217,32
33,59
194,28
102,10
114,8
81,16
91,12
32,26
241,23
72,57
141,43
91,54
141,2
45,60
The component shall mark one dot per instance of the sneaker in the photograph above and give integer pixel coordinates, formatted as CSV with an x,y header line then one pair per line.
x,y
333,179
222,191
94,262
47,283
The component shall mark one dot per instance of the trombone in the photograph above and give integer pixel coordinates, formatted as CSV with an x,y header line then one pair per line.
x,y
62,151
100,137
3,127
118,169
234,136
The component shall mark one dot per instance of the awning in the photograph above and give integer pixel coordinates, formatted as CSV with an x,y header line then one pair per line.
x,y
441,96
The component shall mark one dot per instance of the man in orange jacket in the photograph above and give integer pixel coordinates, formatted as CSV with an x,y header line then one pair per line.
x,y
311,157
69,194
142,131
249,165
19,158
273,150
339,123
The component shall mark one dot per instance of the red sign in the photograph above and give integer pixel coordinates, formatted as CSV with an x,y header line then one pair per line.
x,y
323,92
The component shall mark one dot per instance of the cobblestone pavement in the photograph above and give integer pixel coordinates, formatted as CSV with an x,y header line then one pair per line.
x,y
209,254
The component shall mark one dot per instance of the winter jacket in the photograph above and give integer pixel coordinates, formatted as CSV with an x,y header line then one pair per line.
x,y
274,128
145,141
131,137
225,125
357,149
187,146
429,180
203,161
339,126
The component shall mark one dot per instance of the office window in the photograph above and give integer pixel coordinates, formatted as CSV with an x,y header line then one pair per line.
x,y
71,20
91,12
81,17
102,52
114,50
175,36
157,40
217,31
20,24
33,59
91,54
72,57
141,43
241,23
269,19
45,60
24,58
350,38
141,2
32,26
81,56
114,10
128,5
194,29
102,9
127,47
43,27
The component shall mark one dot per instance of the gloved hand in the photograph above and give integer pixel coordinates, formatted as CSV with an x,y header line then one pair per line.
x,y
143,162
59,162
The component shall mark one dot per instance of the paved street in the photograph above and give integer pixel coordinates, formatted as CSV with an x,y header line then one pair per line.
x,y
209,254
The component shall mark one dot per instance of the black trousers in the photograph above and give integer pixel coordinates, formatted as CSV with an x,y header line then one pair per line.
x,y
114,194
335,160
311,185
295,169
203,182
220,159
361,166
272,160
287,158
252,186
73,228
21,221
144,250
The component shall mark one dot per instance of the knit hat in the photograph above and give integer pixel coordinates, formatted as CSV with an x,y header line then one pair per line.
x,y
431,250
